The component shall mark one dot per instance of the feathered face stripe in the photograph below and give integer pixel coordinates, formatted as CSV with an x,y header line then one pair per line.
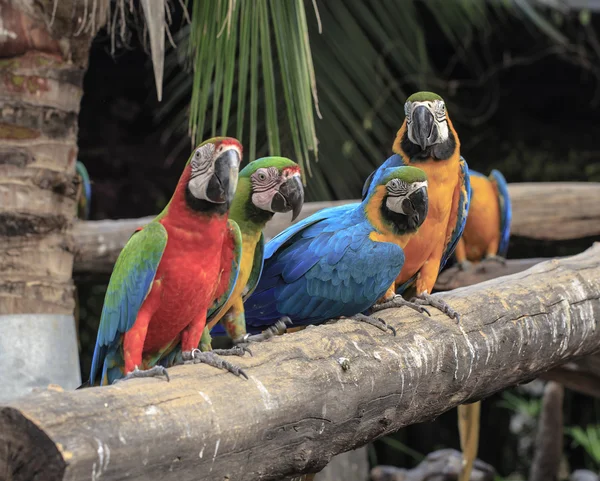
x,y
202,160
265,179
436,107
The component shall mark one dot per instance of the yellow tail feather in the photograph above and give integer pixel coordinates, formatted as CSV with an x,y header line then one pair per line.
x,y
468,429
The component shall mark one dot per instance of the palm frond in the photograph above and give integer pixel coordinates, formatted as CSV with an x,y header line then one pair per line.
x,y
232,41
254,75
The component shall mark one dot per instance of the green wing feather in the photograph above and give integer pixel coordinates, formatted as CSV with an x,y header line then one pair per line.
x,y
129,285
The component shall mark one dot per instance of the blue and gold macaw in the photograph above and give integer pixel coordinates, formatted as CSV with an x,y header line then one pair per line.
x,y
428,140
487,231
340,261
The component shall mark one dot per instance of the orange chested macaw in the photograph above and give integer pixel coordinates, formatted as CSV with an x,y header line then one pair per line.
x,y
487,232
427,140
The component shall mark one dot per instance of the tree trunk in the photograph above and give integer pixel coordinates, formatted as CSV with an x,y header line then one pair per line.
x,y
44,47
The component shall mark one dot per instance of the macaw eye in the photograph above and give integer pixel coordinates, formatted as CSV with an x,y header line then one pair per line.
x,y
197,154
262,176
440,110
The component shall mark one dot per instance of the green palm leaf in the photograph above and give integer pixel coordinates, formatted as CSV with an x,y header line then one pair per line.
x,y
254,76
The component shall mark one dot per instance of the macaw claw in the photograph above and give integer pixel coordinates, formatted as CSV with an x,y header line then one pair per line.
x,y
277,329
439,304
465,265
155,371
495,258
238,350
198,357
373,321
399,301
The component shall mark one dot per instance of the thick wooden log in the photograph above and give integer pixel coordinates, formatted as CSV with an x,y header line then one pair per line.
x,y
453,278
311,394
542,211
580,375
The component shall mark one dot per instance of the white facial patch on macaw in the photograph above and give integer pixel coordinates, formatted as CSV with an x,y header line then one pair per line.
x,y
399,190
265,184
438,110
203,168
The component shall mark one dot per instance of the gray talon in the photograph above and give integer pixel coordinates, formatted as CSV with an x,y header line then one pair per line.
x,y
155,371
439,304
237,350
465,265
399,301
277,329
212,359
495,258
373,321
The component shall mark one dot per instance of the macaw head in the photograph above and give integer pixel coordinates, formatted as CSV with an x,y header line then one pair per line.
x,y
427,130
405,202
214,166
275,185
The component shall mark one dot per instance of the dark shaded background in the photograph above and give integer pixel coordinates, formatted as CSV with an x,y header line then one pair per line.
x,y
537,120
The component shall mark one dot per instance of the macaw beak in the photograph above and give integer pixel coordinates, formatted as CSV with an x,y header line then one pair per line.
x,y
222,184
289,197
423,127
415,206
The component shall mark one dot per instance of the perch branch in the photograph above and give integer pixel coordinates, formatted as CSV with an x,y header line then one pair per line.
x,y
541,211
311,394
453,278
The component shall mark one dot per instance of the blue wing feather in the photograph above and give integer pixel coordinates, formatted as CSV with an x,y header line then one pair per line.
x,y
505,210
325,266
464,201
128,287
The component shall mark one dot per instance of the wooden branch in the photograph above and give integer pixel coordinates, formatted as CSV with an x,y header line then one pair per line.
x,y
542,211
98,243
453,278
311,394
578,375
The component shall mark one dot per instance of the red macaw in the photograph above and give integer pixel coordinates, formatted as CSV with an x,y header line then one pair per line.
x,y
171,271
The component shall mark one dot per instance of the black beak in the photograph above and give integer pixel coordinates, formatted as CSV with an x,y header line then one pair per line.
x,y
289,197
222,184
415,206
423,127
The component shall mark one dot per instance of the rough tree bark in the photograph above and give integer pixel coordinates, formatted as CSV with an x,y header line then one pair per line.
x,y
44,47
98,243
356,383
41,70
